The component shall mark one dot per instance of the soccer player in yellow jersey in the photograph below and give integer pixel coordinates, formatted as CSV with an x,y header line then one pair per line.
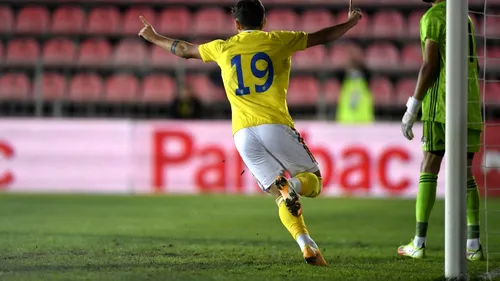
x,y
255,69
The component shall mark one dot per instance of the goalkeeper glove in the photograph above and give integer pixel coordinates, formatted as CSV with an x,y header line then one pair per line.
x,y
412,109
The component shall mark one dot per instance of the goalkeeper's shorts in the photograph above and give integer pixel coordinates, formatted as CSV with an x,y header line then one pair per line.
x,y
433,137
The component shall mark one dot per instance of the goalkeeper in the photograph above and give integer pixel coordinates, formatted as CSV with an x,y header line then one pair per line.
x,y
430,96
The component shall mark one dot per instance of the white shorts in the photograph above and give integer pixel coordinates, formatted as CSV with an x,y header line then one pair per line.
x,y
269,150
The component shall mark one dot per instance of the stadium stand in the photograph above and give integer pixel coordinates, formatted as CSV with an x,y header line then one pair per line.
x,y
87,51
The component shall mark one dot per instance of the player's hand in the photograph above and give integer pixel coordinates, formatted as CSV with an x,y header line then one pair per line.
x,y
412,108
407,125
354,13
147,32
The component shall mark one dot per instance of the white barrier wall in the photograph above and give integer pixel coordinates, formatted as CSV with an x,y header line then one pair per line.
x,y
197,157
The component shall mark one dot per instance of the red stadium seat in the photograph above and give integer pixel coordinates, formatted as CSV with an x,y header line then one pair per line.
x,y
6,19
14,86
413,29
33,19
314,20
492,93
492,28
411,56
492,58
68,20
303,90
131,22
331,90
53,86
158,88
382,56
104,20
388,24
204,88
22,51
1,52
281,20
122,88
361,29
405,89
163,59
130,52
86,87
311,58
59,51
211,21
340,54
382,90
94,52
174,21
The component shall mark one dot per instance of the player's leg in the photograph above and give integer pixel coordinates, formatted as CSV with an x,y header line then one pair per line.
x,y
265,169
433,147
474,249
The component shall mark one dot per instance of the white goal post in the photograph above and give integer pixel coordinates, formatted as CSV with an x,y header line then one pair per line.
x,y
455,266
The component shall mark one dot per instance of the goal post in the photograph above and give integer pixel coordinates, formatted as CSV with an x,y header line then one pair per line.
x,y
456,139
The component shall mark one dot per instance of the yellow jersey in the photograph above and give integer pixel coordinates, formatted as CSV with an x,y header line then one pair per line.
x,y
255,68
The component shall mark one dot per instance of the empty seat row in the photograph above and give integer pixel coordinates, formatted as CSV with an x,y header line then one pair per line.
x,y
206,21
136,53
303,90
298,2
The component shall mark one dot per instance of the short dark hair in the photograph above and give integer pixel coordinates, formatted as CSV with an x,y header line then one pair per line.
x,y
249,13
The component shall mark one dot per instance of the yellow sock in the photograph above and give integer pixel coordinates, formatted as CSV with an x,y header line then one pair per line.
x,y
295,225
310,184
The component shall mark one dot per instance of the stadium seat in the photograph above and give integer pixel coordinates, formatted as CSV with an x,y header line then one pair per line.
x,y
86,87
382,90
6,19
131,22
33,20
53,86
14,86
103,20
405,89
94,52
121,88
361,29
175,21
492,93
331,90
163,59
68,20
303,91
1,52
314,20
204,89
22,51
492,26
130,52
59,51
310,59
158,88
341,53
281,20
492,58
388,24
382,56
210,21
411,56
413,24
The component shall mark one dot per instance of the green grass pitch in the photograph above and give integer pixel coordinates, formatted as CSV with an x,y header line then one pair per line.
x,y
216,238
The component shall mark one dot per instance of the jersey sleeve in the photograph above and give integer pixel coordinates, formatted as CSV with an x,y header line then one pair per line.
x,y
433,28
293,41
211,51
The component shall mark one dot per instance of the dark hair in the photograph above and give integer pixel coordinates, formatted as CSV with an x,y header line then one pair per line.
x,y
249,13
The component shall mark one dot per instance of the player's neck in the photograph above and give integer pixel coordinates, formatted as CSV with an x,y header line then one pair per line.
x,y
437,2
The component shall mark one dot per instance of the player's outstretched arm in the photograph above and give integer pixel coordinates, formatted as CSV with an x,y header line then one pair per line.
x,y
179,48
332,33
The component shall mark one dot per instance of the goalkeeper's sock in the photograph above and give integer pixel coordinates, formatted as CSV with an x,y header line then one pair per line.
x,y
306,184
426,197
295,225
472,214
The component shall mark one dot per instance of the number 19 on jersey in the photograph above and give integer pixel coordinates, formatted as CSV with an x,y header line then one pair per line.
x,y
269,71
